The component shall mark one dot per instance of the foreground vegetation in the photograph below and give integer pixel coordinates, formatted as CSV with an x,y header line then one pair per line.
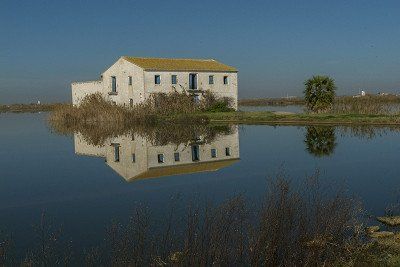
x,y
310,225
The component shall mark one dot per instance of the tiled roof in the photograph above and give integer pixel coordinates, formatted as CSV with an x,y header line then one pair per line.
x,y
175,64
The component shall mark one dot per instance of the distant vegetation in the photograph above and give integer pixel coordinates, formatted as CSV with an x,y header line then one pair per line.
x,y
360,105
26,108
368,104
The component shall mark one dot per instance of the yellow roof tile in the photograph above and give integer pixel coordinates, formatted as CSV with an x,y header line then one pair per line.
x,y
179,64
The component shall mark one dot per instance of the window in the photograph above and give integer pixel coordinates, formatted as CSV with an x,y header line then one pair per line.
x,y
113,84
130,80
213,153
173,79
160,158
192,81
227,151
195,153
211,79
225,79
131,102
157,79
133,157
116,152
177,156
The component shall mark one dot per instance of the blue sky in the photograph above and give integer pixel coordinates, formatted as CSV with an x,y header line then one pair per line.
x,y
276,45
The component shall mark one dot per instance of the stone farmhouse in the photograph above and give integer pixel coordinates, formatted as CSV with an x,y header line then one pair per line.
x,y
133,157
132,80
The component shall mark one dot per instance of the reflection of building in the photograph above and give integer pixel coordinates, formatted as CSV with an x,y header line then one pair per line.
x,y
133,157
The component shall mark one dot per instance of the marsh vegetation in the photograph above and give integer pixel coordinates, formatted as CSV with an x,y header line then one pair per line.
x,y
94,109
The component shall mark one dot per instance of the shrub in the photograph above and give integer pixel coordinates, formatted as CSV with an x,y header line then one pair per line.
x,y
319,93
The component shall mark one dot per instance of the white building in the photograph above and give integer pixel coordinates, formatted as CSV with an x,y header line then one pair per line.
x,y
131,80
134,158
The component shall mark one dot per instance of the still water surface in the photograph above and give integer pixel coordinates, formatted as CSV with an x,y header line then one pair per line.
x,y
84,187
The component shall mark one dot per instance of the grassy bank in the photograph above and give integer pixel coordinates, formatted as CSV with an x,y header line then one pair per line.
x,y
28,108
266,117
180,108
271,101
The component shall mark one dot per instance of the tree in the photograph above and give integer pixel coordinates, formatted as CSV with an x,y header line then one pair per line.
x,y
319,93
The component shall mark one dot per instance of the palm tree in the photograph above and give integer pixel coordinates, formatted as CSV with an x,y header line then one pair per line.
x,y
319,93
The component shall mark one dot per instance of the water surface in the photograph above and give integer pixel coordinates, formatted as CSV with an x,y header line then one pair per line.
x,y
84,186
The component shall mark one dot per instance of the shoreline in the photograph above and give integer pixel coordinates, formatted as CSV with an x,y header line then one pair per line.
x,y
249,117
270,118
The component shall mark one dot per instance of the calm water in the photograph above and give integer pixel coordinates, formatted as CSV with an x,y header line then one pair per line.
x,y
84,187
289,108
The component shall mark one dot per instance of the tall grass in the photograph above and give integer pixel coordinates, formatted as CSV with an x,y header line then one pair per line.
x,y
94,109
369,104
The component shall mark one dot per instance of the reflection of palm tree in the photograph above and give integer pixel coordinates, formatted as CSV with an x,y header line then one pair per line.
x,y
320,140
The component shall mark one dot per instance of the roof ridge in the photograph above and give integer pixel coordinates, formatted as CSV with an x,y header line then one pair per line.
x,y
172,58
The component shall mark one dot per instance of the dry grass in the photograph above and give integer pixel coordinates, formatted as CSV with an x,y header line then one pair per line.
x,y
96,110
369,104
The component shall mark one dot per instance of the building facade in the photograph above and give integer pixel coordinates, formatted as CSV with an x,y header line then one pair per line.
x,y
132,80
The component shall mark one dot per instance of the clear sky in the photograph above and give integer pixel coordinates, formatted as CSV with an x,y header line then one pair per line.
x,y
276,45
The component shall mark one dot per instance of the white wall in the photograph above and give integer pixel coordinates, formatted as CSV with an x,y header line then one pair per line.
x,y
82,89
218,88
122,69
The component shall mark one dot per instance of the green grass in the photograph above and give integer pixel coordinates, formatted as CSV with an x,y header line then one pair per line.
x,y
266,117
271,101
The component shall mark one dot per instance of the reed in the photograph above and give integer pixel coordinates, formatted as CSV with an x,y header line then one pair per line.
x,y
369,104
94,109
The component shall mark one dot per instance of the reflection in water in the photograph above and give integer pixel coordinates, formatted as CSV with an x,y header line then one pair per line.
x,y
320,140
135,156
367,131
